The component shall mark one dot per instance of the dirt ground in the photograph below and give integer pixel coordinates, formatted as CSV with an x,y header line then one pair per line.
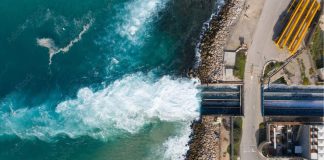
x,y
293,70
321,22
225,141
245,27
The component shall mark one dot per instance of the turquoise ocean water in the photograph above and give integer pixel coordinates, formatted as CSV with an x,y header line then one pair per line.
x,y
100,79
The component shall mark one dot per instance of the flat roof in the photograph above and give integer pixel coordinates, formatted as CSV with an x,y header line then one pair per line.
x,y
313,155
229,58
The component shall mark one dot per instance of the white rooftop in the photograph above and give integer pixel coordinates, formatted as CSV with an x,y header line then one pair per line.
x,y
313,155
229,59
321,142
320,149
320,156
320,128
229,74
320,135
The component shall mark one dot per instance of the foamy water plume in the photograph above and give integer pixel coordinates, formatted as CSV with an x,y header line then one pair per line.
x,y
140,12
122,107
53,49
176,147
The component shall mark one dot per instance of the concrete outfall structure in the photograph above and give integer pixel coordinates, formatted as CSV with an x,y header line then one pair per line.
x,y
204,144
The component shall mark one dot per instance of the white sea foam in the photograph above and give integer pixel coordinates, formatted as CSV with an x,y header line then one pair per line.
x,y
125,106
114,61
53,49
140,12
176,147
219,5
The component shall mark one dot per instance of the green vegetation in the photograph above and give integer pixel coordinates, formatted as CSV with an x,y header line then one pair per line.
x,y
239,65
302,71
317,47
311,71
237,135
281,81
271,66
262,132
306,81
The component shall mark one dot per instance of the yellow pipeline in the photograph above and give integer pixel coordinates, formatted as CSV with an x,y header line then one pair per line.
x,y
288,25
292,4
294,49
301,27
310,18
300,2
294,25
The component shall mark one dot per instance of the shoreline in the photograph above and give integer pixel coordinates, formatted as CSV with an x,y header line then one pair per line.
x,y
214,41
202,144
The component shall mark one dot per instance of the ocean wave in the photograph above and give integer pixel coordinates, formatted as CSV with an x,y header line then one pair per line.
x,y
125,106
176,147
53,49
139,13
219,5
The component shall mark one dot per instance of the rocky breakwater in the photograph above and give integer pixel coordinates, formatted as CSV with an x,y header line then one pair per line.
x,y
212,45
205,143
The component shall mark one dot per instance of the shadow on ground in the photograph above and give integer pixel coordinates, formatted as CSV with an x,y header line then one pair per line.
x,y
281,22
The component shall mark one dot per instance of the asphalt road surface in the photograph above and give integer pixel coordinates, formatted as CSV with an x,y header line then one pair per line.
x,y
261,50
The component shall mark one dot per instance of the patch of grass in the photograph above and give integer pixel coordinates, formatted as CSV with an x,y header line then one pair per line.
x,y
262,132
237,135
271,66
305,80
311,71
317,47
239,65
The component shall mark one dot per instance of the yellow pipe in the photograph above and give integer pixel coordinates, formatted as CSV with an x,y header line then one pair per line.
x,y
294,25
300,28
294,49
309,20
288,25
292,4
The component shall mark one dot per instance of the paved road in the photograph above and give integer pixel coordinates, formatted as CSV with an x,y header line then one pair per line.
x,y
261,50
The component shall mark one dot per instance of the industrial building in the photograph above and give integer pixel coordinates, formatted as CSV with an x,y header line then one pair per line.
x,y
290,140
313,141
300,15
